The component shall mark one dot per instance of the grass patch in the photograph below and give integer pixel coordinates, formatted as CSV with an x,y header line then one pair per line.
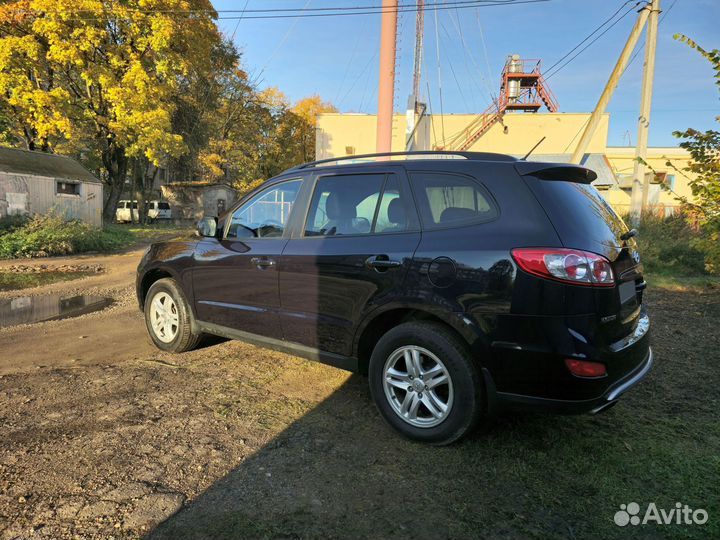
x,y
682,283
668,247
52,235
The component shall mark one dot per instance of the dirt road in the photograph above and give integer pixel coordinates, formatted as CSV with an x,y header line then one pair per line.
x,y
87,340
102,436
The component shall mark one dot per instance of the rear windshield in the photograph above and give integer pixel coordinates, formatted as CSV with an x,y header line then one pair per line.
x,y
579,213
163,206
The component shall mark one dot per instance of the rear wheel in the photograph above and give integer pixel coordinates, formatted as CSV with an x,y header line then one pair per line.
x,y
168,316
425,384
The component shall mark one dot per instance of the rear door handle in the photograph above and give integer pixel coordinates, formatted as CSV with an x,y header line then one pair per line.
x,y
382,262
262,262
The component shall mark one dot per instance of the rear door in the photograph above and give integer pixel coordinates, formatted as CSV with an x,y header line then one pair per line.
x,y
350,255
584,220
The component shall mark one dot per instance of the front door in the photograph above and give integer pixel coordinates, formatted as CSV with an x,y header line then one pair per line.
x,y
235,278
352,255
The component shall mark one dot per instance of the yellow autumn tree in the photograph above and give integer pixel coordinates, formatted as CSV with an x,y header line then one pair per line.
x,y
308,109
103,73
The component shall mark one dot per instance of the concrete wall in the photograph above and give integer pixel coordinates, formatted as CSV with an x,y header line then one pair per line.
x,y
27,194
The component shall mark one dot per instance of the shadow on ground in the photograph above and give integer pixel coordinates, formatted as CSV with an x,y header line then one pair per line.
x,y
338,471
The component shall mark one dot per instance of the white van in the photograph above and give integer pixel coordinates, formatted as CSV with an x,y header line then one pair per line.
x,y
155,210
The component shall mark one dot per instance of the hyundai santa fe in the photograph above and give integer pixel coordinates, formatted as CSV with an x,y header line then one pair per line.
x,y
461,283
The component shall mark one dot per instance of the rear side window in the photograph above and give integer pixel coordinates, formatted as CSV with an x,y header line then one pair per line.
x,y
356,204
579,212
447,200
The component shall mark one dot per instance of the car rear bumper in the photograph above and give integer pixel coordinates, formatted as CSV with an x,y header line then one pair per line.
x,y
503,400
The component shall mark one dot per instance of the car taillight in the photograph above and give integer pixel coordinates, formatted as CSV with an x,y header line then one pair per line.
x,y
566,265
583,368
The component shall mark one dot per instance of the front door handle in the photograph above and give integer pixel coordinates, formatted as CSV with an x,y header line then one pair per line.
x,y
262,262
381,263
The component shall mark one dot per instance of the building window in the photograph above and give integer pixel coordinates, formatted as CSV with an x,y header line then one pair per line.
x,y
670,181
67,188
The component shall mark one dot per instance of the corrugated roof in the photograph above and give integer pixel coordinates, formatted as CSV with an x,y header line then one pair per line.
x,y
16,161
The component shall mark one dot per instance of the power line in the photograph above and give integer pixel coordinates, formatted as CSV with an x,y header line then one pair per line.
x,y
281,43
548,73
487,61
452,70
641,46
591,34
337,12
467,52
290,10
437,48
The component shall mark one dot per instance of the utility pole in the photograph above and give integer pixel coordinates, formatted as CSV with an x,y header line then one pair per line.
x,y
386,79
641,184
610,86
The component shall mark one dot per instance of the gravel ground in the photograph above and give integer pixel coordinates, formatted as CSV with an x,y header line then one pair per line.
x,y
103,436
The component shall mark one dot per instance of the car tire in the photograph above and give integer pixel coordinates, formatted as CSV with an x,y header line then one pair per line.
x,y
168,317
463,395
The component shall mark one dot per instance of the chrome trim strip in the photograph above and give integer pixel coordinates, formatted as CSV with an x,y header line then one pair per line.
x,y
641,329
616,392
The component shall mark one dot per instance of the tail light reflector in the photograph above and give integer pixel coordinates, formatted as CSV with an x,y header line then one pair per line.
x,y
566,265
584,368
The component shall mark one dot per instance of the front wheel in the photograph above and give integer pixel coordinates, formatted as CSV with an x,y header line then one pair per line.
x,y
425,384
168,316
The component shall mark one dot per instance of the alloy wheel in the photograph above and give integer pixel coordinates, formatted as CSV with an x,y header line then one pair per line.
x,y
418,386
164,318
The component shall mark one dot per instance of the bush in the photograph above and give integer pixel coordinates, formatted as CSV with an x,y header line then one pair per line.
x,y
671,246
49,235
10,223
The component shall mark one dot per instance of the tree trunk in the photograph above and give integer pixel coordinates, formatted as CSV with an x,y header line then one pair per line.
x,y
115,162
137,194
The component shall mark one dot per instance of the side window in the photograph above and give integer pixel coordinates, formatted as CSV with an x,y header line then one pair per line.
x,y
266,214
355,204
445,200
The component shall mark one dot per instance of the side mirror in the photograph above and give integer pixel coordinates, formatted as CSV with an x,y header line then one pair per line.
x,y
207,227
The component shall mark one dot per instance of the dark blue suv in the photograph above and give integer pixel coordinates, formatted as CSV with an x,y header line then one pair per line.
x,y
460,283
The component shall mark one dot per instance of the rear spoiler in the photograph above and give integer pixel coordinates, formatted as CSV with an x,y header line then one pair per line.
x,y
556,171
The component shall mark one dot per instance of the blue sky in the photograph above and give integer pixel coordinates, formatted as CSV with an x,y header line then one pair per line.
x,y
336,57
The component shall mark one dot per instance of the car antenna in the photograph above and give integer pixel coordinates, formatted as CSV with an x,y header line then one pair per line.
x,y
533,148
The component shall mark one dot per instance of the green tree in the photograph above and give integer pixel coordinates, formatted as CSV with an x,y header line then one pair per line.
x,y
704,149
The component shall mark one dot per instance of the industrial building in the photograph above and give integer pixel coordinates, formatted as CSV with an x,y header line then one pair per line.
x,y
346,134
514,124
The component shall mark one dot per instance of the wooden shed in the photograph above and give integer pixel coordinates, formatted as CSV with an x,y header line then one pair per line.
x,y
37,183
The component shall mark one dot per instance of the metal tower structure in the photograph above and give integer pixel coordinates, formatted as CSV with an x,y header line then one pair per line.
x,y
522,88
419,32
415,109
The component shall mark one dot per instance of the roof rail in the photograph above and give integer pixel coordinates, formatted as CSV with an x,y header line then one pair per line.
x,y
485,156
